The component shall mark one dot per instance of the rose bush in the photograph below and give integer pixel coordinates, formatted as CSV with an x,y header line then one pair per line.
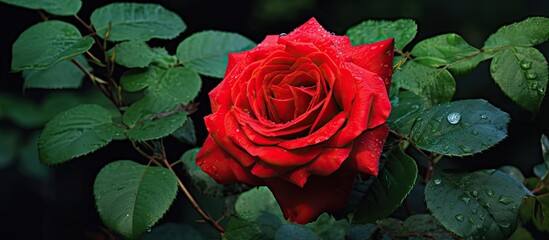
x,y
303,114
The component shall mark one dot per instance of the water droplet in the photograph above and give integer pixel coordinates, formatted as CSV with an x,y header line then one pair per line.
x,y
490,171
486,205
282,35
465,148
475,193
460,217
437,181
433,130
452,39
525,64
415,106
482,216
505,200
465,198
237,130
439,119
474,211
149,229
504,225
454,118
445,148
530,75
474,132
483,116
332,33
471,220
489,192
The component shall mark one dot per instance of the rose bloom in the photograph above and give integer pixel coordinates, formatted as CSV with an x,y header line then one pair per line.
x,y
302,114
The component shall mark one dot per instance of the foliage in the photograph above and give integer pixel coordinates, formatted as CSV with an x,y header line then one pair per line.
x,y
154,96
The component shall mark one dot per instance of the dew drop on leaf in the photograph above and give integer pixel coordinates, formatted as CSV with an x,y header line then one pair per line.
x,y
454,118
465,148
489,192
525,64
505,200
530,75
465,198
438,181
460,217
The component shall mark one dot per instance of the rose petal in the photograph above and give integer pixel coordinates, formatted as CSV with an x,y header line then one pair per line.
x,y
322,134
272,155
367,149
215,124
377,58
283,109
221,166
320,194
364,114
326,163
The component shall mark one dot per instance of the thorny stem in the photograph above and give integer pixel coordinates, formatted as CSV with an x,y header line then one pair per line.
x,y
430,162
117,100
191,199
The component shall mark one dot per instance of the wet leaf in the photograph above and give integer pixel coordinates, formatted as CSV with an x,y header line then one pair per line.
x,y
131,197
55,7
47,43
136,21
207,52
460,128
479,204
402,30
530,32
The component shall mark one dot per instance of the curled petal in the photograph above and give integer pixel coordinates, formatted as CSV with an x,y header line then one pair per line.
x,y
221,166
367,149
320,194
377,58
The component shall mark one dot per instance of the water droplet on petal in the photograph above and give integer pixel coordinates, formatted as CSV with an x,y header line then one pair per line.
x,y
332,33
525,64
437,181
454,118
460,217
282,35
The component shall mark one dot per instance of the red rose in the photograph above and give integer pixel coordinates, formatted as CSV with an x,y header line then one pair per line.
x,y
301,113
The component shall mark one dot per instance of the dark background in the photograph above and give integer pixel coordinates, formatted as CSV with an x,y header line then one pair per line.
x,y
38,202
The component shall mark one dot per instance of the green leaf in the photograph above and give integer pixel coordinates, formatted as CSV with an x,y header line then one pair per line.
x,y
9,143
131,197
327,227
186,133
361,232
460,128
482,203
207,52
158,127
264,227
252,204
165,90
137,54
406,107
171,231
29,163
530,32
203,182
389,189
295,232
545,149
540,170
522,75
402,30
431,84
513,172
449,50
63,74
521,234
136,21
75,132
47,43
55,7
422,223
